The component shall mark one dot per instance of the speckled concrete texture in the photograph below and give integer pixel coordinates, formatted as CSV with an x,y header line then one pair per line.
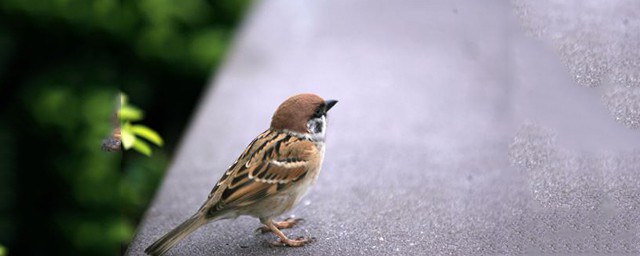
x,y
458,131
599,43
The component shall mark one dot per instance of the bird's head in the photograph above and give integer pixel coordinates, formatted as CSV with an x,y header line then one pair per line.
x,y
304,114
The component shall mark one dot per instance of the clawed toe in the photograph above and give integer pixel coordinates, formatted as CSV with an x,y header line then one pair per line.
x,y
300,241
275,227
294,221
287,223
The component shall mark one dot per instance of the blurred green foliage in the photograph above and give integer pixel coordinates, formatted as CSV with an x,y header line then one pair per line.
x,y
62,64
132,134
190,36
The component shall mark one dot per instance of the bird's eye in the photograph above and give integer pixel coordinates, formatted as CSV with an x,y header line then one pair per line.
x,y
319,111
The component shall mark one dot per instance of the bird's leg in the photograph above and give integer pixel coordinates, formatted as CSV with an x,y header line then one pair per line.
x,y
287,223
282,239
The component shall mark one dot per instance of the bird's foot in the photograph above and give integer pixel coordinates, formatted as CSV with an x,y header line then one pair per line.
x,y
287,223
300,241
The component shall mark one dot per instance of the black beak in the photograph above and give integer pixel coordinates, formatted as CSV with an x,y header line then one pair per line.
x,y
328,104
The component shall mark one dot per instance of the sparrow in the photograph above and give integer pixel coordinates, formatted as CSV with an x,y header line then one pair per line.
x,y
271,175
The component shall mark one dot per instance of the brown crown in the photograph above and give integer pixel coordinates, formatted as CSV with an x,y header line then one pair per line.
x,y
294,112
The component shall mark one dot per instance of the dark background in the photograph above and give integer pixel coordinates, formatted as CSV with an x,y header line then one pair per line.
x,y
62,64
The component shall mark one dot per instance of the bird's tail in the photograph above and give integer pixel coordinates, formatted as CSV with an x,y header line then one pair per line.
x,y
162,245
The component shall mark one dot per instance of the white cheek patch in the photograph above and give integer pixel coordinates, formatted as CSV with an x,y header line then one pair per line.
x,y
316,126
324,124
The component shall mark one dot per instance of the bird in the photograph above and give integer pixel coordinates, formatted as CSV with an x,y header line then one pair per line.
x,y
269,177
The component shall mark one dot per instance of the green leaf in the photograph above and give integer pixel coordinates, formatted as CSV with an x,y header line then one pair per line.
x,y
130,113
142,147
147,133
128,139
3,250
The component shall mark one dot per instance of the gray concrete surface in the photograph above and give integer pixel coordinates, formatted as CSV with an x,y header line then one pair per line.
x,y
457,132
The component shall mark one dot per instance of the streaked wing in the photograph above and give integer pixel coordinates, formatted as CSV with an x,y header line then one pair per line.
x,y
271,163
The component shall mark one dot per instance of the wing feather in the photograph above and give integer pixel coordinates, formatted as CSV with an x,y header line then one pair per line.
x,y
271,163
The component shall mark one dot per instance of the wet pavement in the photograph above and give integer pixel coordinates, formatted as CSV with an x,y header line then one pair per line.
x,y
462,128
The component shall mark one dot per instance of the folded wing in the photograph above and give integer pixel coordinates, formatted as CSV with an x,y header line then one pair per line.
x,y
273,162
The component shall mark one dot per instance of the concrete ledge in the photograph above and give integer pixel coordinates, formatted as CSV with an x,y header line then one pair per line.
x,y
455,134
